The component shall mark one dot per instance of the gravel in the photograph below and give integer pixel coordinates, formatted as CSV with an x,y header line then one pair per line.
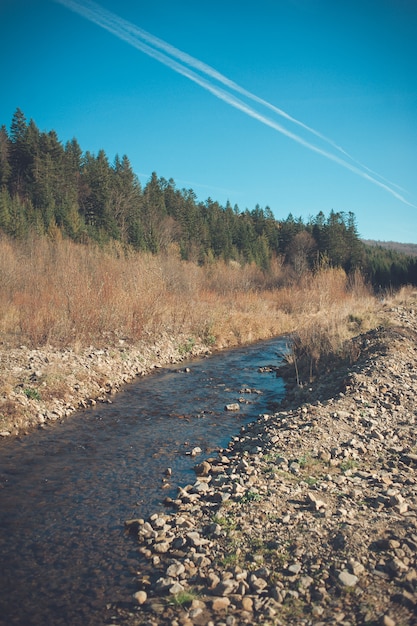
x,y
310,514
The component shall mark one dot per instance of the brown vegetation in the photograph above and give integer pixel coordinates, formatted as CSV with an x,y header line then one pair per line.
x,y
63,294
62,304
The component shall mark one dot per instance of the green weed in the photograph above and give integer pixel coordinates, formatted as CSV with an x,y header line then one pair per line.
x,y
32,394
184,598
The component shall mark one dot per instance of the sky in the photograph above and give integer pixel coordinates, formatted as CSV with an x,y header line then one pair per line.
x,y
299,105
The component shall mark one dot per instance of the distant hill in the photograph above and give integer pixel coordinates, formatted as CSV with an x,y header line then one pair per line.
x,y
409,249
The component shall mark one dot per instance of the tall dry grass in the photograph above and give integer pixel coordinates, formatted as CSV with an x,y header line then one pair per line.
x,y
334,308
64,294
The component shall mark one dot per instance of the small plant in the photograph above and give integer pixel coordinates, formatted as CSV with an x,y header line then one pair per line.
x,y
229,560
251,496
184,598
227,523
187,347
32,394
349,464
310,480
304,460
207,336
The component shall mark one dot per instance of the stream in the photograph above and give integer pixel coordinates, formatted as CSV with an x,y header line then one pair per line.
x,y
66,490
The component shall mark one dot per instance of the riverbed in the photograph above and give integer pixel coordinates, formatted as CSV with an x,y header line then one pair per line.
x,y
66,490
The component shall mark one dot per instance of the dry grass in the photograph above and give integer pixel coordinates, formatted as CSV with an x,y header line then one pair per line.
x,y
62,294
67,299
333,310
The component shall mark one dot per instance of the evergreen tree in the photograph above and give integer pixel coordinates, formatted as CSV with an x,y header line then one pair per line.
x,y
95,195
19,158
5,169
125,200
154,213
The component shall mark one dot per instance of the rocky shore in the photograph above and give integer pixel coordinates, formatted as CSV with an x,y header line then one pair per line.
x,y
309,516
44,385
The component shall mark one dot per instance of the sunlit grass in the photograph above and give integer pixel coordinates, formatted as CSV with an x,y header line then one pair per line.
x,y
63,294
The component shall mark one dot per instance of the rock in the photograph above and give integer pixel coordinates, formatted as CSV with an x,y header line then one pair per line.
x,y
140,597
226,587
234,406
212,580
175,570
161,547
200,488
306,582
195,614
317,611
315,501
348,579
356,567
133,525
176,588
195,539
220,604
258,584
202,469
247,604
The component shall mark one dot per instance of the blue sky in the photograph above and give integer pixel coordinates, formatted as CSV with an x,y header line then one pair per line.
x,y
342,75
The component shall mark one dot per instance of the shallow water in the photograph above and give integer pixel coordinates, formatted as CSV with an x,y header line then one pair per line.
x,y
66,491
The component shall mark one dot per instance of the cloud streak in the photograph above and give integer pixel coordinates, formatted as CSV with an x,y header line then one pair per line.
x,y
188,66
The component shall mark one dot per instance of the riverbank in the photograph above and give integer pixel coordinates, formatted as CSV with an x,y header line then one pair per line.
x,y
45,385
310,515
77,322
41,384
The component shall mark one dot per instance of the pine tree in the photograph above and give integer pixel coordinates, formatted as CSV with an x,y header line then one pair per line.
x,y
19,158
5,169
125,200
153,213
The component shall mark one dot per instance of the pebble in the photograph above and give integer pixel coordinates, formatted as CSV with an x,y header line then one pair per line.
x,y
140,597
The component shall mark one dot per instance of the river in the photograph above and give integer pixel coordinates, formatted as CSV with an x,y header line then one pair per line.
x,y
66,490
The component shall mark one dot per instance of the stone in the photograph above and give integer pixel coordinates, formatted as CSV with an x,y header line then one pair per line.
x,y
212,580
175,570
226,587
294,568
220,604
317,611
347,579
195,539
315,501
176,588
306,582
356,567
202,469
140,597
247,604
258,584
161,547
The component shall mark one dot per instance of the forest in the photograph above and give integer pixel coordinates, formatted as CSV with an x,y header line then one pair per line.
x,y
52,189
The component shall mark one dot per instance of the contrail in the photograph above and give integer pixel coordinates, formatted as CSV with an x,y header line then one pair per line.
x,y
134,36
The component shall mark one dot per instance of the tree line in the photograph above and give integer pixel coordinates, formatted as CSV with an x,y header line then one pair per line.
x,y
56,189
